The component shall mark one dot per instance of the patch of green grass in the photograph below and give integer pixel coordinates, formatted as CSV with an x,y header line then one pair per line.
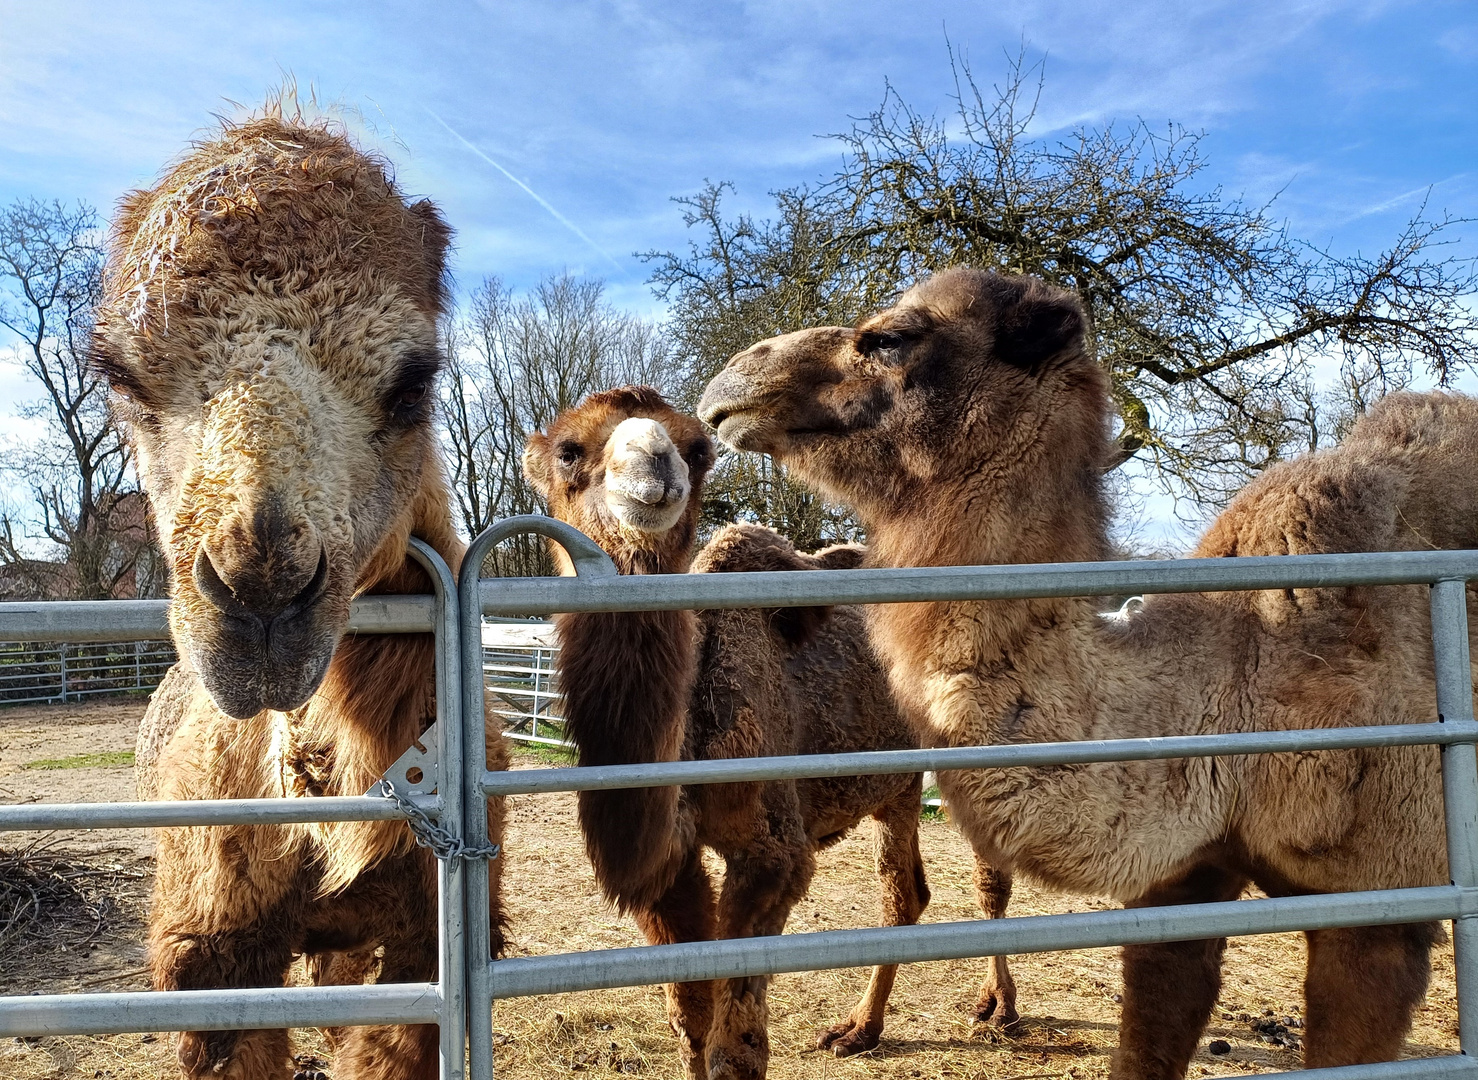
x,y
108,759
549,755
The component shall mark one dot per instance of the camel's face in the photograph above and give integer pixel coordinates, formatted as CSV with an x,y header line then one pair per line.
x,y
624,468
929,387
279,397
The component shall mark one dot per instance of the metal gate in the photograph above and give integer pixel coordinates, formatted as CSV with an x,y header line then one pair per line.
x,y
462,1001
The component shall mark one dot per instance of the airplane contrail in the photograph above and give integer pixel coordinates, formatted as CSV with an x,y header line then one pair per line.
x,y
530,192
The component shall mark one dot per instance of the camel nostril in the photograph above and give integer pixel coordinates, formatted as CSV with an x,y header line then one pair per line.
x,y
312,591
248,595
212,586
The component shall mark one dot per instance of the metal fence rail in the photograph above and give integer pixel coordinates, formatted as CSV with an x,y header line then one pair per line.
x,y
469,981
67,671
442,1003
597,587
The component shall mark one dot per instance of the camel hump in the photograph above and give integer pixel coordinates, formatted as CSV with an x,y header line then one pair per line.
x,y
1403,480
167,707
746,548
737,549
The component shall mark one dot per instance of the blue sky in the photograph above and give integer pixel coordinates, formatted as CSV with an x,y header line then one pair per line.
x,y
1353,109
606,110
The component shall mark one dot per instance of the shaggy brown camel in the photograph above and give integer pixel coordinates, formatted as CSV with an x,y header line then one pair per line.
x,y
628,470
269,331
969,424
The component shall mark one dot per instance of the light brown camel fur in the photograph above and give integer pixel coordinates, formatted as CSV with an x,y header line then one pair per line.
x,y
628,470
269,331
969,424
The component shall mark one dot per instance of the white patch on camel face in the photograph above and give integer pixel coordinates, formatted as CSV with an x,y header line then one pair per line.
x,y
646,478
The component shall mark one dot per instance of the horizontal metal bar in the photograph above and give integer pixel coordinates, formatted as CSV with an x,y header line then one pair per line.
x,y
657,592
219,1010
1445,1068
148,620
1016,755
34,817
737,958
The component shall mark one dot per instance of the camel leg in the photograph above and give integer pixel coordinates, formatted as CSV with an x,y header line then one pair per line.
x,y
253,956
400,1051
219,921
1361,988
1170,988
391,906
685,912
905,895
762,883
996,1004
339,969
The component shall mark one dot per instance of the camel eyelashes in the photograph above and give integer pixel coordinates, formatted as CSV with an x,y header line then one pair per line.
x,y
569,453
874,342
413,384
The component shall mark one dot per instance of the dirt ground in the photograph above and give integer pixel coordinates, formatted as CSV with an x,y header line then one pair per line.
x,y
92,941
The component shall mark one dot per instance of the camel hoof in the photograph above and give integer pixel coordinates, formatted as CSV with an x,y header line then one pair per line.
x,y
848,1038
997,1012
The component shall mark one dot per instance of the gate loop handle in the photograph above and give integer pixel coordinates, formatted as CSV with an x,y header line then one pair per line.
x,y
428,834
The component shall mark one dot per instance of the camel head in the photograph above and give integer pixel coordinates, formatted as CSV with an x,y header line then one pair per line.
x,y
969,374
626,469
268,328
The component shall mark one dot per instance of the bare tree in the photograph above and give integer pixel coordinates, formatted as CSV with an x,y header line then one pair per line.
x,y
514,364
85,502
1206,311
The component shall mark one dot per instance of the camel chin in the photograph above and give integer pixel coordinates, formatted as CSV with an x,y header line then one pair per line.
x,y
645,517
280,669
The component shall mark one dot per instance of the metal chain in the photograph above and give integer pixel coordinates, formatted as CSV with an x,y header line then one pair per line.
x,y
428,834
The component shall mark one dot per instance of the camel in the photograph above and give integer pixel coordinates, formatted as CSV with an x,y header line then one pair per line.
x,y
969,424
268,329
628,470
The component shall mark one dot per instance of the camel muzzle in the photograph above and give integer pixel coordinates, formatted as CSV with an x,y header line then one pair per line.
x,y
261,648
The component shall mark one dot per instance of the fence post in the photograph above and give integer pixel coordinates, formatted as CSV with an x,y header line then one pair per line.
x,y
1452,657
62,652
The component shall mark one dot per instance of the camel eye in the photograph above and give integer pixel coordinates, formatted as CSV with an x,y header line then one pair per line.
x,y
411,396
569,453
874,342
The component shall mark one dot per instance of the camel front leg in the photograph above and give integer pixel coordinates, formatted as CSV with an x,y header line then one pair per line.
x,y
1170,988
762,884
190,954
226,913
996,1004
685,912
1362,986
905,895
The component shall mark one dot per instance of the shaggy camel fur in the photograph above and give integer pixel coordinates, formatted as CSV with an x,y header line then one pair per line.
x,y
269,332
628,470
969,424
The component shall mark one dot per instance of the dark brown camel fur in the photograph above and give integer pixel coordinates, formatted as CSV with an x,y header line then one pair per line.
x,y
269,332
969,424
628,470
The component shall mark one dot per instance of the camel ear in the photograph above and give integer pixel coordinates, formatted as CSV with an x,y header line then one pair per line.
x,y
1036,325
798,625
436,237
536,462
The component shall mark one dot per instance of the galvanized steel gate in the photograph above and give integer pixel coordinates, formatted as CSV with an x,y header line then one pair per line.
x,y
461,1002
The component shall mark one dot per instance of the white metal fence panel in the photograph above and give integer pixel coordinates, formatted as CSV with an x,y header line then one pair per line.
x,y
70,670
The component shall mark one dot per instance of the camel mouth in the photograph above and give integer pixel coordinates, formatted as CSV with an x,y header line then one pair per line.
x,y
651,503
742,429
731,408
250,666
646,517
